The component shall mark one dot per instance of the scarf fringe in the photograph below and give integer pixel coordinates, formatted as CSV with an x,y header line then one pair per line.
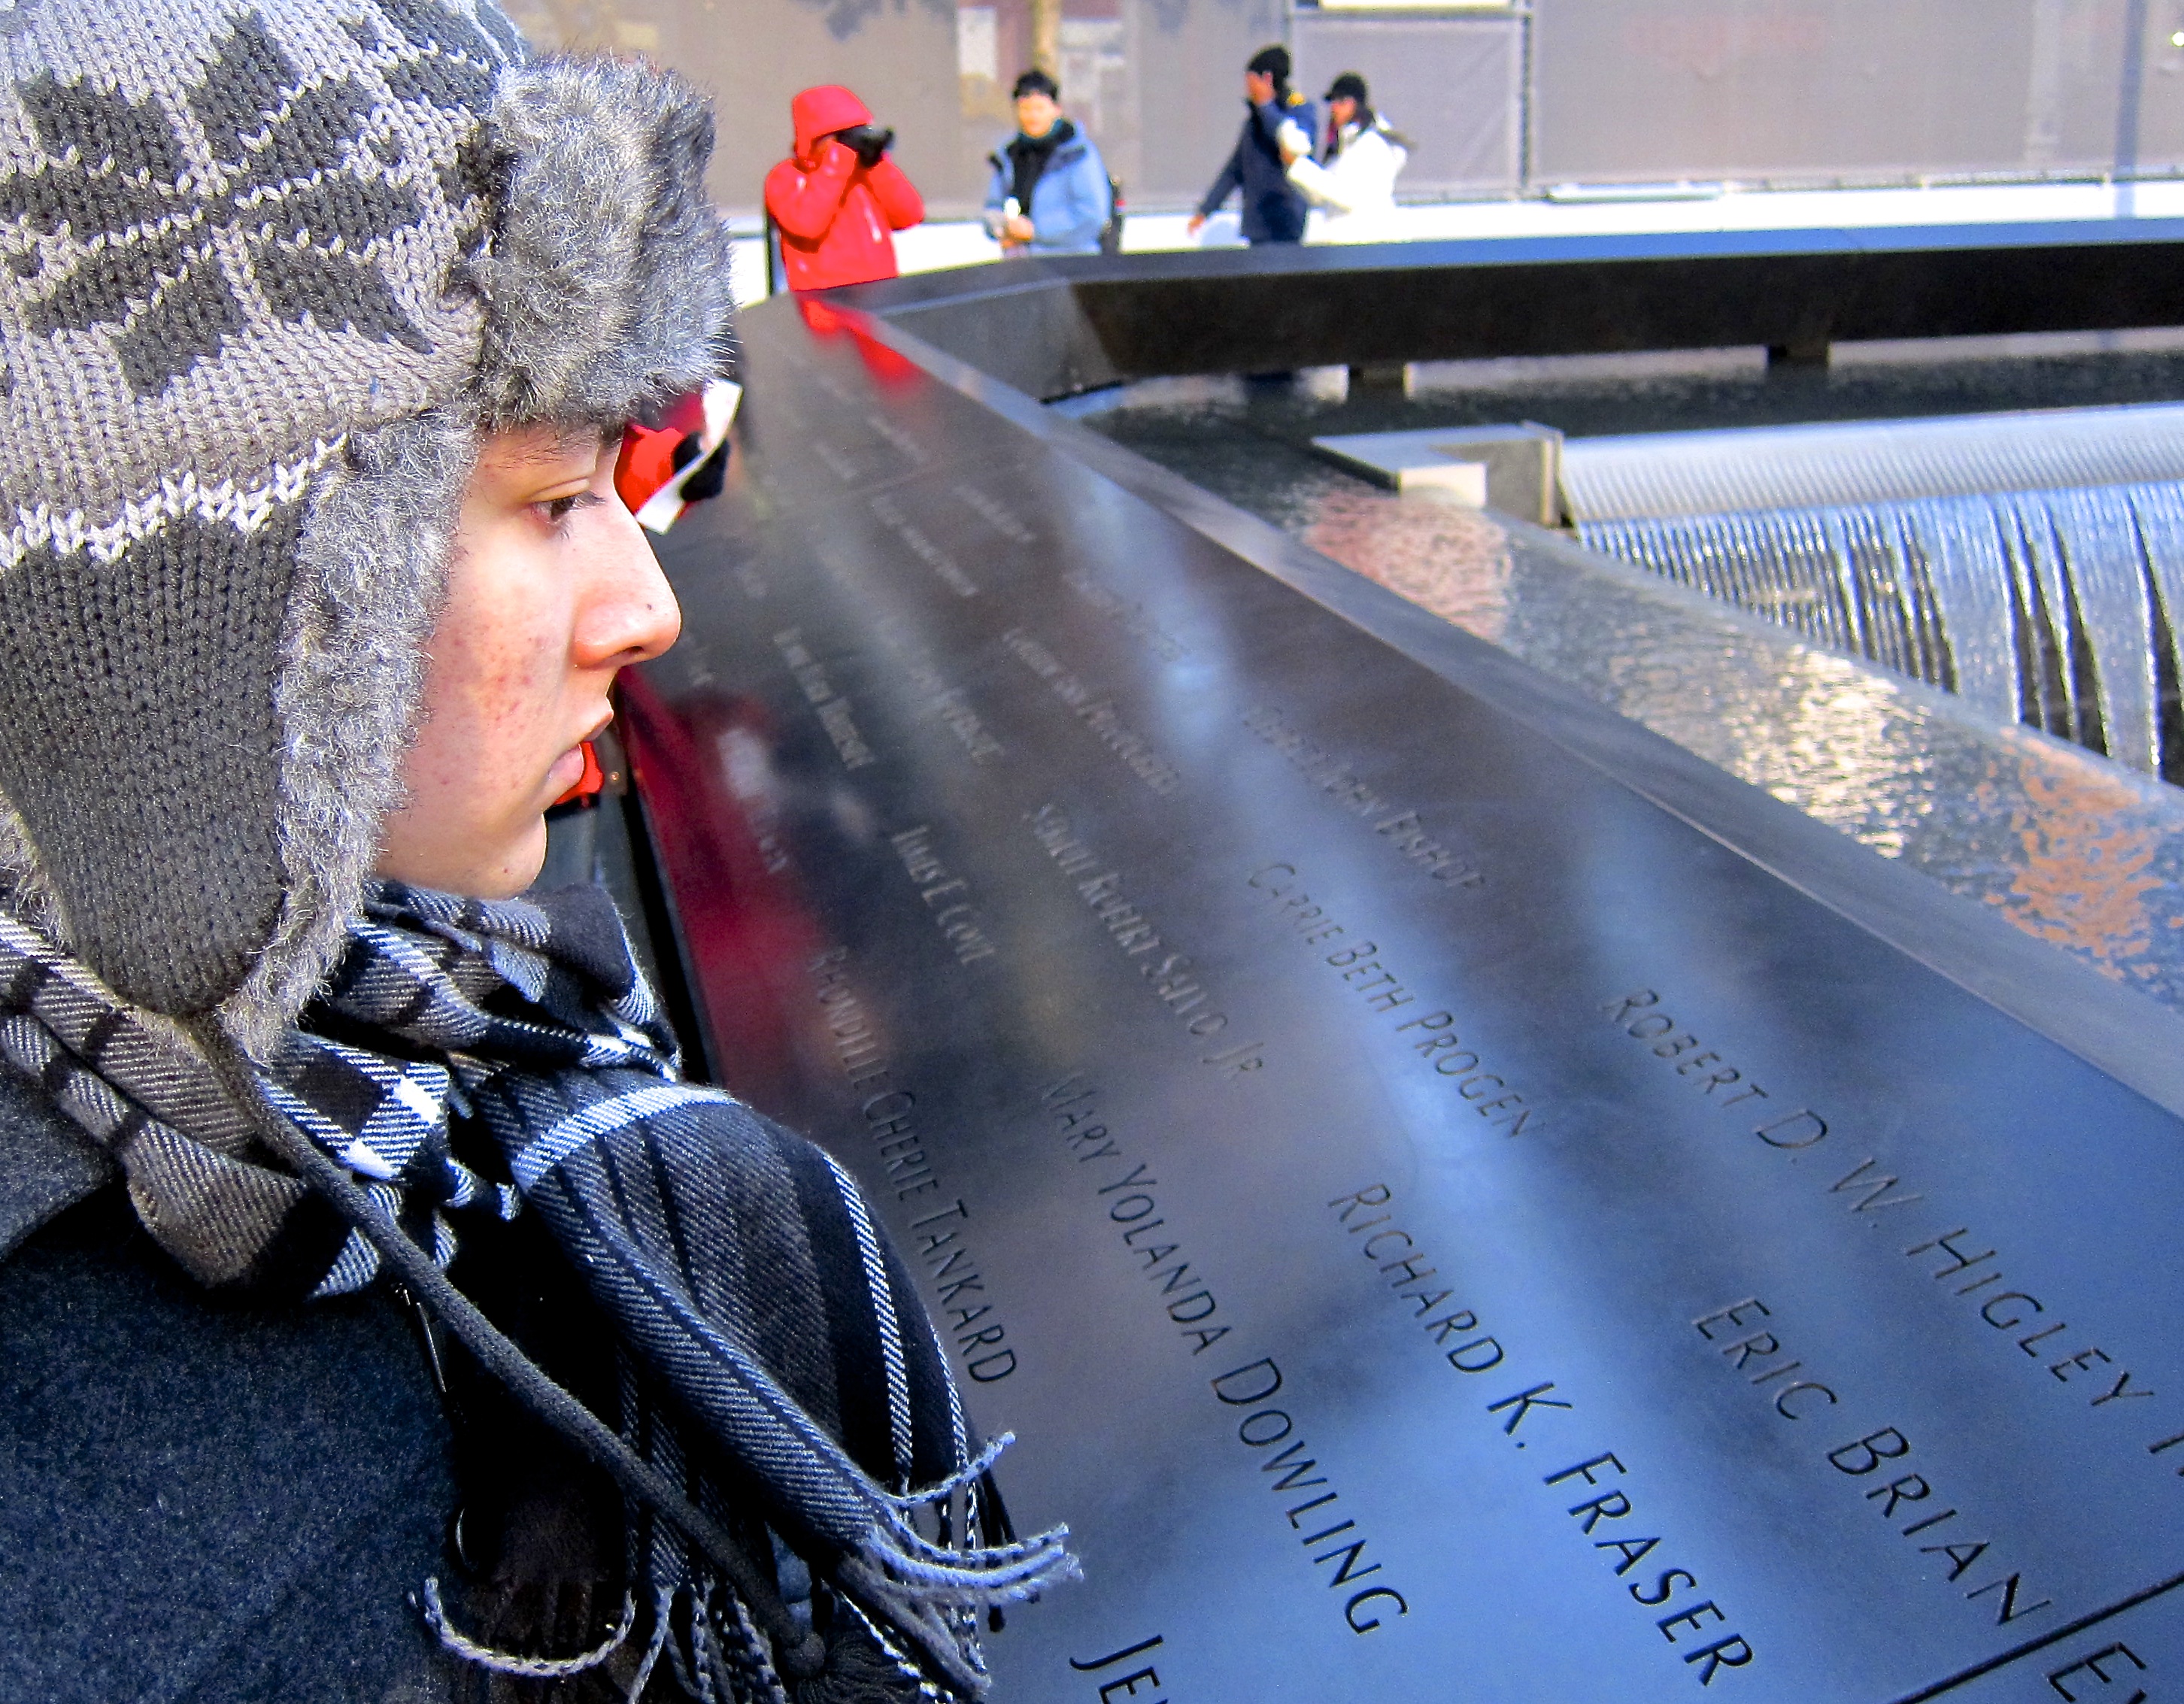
x,y
915,1569
936,1613
721,1656
961,1477
910,1568
912,1565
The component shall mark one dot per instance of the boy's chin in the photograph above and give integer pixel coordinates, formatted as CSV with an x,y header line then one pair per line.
x,y
499,871
513,872
530,859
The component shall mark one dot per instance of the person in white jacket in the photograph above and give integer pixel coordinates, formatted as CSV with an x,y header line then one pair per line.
x,y
1351,186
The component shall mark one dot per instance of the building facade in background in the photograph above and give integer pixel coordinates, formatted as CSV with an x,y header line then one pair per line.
x,y
1499,99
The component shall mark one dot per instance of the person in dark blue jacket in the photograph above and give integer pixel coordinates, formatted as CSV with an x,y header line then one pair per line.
x,y
1278,128
1048,193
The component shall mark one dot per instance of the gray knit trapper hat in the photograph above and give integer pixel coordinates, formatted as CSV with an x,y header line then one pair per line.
x,y
271,269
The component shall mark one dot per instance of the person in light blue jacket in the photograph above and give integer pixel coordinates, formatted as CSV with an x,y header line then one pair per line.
x,y
1048,192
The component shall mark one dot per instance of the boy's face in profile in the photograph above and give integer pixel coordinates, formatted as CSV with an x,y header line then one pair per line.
x,y
552,591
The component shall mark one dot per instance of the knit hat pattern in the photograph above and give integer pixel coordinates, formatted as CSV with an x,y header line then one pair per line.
x,y
266,271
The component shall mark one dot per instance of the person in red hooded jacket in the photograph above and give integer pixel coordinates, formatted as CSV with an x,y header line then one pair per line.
x,y
836,198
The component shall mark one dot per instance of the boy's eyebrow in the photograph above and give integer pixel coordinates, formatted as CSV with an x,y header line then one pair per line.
x,y
581,440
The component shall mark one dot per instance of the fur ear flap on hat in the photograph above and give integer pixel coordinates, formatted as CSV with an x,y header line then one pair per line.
x,y
604,201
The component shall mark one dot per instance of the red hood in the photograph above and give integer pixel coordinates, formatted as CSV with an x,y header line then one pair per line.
x,y
822,111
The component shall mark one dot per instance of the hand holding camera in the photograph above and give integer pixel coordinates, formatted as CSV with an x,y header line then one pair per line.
x,y
868,142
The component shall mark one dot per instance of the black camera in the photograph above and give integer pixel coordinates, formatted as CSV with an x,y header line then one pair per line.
x,y
869,142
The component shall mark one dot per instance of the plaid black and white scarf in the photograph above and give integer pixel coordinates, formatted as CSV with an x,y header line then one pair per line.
x,y
772,1338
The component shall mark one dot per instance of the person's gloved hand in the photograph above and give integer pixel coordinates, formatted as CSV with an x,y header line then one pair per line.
x,y
868,142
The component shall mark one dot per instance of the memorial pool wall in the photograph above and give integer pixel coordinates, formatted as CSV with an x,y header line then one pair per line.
x,y
946,650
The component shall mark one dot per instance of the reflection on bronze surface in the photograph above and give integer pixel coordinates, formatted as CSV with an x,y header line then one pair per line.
x,y
2091,880
1451,560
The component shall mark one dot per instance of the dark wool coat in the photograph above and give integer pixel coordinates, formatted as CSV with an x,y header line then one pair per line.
x,y
196,1502
1274,208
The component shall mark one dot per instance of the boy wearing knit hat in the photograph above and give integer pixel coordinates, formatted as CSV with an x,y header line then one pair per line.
x,y
321,323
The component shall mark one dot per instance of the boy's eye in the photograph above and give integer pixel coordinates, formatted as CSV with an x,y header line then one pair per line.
x,y
558,509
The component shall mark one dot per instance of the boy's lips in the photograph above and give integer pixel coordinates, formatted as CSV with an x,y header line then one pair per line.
x,y
569,768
